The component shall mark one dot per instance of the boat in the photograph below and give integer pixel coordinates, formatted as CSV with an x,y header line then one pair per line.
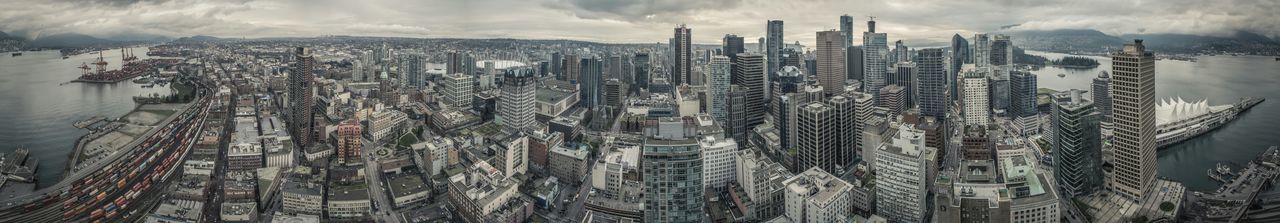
x,y
16,54
65,57
142,80
1062,75
1277,58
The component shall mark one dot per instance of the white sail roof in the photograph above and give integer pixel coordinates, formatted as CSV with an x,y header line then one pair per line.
x,y
1175,109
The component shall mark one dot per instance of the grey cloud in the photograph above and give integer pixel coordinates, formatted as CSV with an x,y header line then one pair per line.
x,y
641,10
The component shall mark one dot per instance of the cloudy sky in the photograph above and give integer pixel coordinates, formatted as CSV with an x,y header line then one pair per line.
x,y
633,21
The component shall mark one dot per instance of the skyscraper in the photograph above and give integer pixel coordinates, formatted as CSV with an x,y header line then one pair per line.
x,y
853,62
682,58
875,49
1133,94
718,87
773,48
1001,50
830,53
981,53
1101,98
516,103
412,66
960,55
732,45
905,165
671,168
846,27
847,134
1078,160
748,72
572,68
642,71
933,78
906,77
557,65
589,82
817,137
301,96
457,90
977,102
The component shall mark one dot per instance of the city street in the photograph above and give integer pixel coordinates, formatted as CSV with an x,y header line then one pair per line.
x,y
384,210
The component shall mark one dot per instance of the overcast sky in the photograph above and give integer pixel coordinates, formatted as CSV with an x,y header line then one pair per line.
x,y
626,20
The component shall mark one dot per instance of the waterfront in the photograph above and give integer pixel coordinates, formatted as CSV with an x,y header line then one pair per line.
x,y
1221,79
38,110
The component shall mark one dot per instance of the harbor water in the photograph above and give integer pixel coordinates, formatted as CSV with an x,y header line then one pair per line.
x,y
1221,79
37,109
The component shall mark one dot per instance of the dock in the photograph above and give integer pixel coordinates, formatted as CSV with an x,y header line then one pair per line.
x,y
1232,201
89,122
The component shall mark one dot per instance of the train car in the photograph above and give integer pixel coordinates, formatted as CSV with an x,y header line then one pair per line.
x,y
96,213
109,207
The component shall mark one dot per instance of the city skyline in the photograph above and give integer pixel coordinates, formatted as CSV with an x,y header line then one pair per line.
x,y
621,22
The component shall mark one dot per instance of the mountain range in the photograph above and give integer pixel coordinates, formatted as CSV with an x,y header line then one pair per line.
x,y
1088,40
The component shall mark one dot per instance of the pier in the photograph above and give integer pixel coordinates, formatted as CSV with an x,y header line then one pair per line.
x,y
1236,199
89,122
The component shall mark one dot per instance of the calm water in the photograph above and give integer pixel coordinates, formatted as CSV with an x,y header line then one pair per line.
x,y
1222,80
37,112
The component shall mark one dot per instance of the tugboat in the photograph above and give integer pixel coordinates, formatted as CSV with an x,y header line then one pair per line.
x,y
1062,75
16,54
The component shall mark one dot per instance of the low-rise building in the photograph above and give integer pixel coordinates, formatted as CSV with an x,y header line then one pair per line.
x,y
569,164
348,201
481,190
239,211
407,189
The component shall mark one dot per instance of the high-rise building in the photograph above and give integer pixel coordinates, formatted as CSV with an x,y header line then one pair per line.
x,y
732,45
349,145
817,196
589,82
846,27
457,89
906,77
718,168
1022,94
774,46
875,50
846,107
642,71
864,111
718,87
735,125
557,65
516,104
817,137
671,162
893,98
977,109
412,66
905,168
1078,160
302,96
1101,98
981,53
1022,102
960,55
830,55
682,64
853,63
1001,50
1133,111
900,53
571,67
933,93
748,72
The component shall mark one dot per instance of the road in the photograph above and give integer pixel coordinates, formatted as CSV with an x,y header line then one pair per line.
x,y
385,209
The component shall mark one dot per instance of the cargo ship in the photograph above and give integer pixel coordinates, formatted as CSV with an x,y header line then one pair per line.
x,y
132,68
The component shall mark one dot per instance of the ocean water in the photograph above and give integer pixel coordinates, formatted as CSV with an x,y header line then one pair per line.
x,y
1221,80
37,109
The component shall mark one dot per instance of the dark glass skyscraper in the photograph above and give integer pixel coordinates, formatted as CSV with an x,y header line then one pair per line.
x,y
590,82
1078,156
682,56
773,48
301,96
732,46
933,79
960,55
1022,94
846,27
